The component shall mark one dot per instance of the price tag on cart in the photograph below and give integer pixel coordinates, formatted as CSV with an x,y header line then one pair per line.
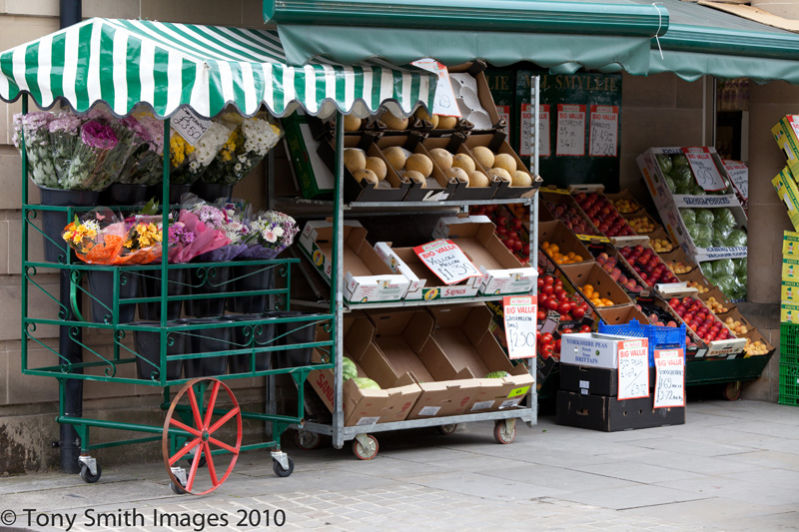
x,y
633,362
447,261
190,126
704,168
669,378
520,324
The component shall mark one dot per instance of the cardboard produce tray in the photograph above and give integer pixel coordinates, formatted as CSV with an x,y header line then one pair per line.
x,y
551,198
557,232
603,284
606,413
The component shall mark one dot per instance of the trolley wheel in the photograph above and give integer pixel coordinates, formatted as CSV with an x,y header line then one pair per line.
x,y
367,450
307,440
278,469
202,433
733,390
446,430
87,476
505,431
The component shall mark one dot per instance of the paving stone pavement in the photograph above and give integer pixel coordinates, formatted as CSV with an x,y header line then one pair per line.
x,y
732,466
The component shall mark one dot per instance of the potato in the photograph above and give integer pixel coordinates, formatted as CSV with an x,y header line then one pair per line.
x,y
484,156
420,163
458,174
396,157
505,161
500,174
352,123
415,177
365,175
478,179
447,122
522,179
378,166
393,122
461,160
442,158
354,159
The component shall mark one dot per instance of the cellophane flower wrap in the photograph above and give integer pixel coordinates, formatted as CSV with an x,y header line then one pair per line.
x,y
104,237
41,167
222,217
87,168
271,232
129,140
64,131
246,146
145,165
190,237
189,162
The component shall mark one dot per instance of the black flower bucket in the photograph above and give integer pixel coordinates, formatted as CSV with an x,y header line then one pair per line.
x,y
101,288
150,286
251,278
53,222
252,335
205,341
209,280
148,346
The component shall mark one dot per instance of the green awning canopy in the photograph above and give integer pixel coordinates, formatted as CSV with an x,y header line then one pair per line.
x,y
125,62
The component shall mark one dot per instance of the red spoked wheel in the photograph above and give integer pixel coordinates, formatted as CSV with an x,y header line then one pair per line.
x,y
205,432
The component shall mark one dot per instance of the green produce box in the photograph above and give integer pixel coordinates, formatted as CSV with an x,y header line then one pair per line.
x,y
314,178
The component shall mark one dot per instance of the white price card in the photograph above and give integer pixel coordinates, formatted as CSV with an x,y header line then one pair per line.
x,y
633,368
528,136
603,139
571,130
739,175
520,325
704,168
447,261
669,378
445,102
190,126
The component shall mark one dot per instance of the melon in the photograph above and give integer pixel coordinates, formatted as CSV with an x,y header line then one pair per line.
x,y
447,122
442,157
378,166
396,157
497,374
458,174
416,177
365,175
354,159
484,156
393,122
522,179
365,383
478,179
505,161
461,160
422,114
500,174
352,123
348,368
420,163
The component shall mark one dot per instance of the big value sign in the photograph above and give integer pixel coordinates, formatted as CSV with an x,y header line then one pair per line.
x,y
447,261
520,324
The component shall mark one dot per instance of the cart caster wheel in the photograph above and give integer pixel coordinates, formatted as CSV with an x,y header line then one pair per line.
x,y
206,431
279,471
307,440
365,450
446,430
505,431
87,476
733,390
177,488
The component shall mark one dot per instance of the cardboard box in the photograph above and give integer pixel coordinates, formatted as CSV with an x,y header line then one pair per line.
x,y
621,314
456,190
785,134
790,269
626,195
790,245
393,402
558,233
314,178
497,144
463,334
403,339
589,380
601,412
502,271
595,349
553,198
436,188
366,276
789,194
424,285
789,313
593,274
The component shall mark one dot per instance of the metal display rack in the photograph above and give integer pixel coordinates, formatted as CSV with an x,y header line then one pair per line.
x,y
365,445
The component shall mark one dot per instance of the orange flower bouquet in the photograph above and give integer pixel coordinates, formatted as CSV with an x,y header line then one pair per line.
x,y
102,237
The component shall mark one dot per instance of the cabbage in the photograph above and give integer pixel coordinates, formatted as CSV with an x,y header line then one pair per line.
x,y
682,174
365,383
704,217
739,291
496,374
696,190
727,284
723,219
740,268
723,267
693,231
349,371
664,162
720,238
688,216
670,184
704,236
682,188
737,238
679,161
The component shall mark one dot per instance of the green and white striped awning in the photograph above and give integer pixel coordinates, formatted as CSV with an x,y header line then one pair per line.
x,y
167,65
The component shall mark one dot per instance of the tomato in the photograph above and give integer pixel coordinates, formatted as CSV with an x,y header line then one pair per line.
x,y
549,280
578,312
564,307
541,315
567,330
547,338
547,289
557,345
547,351
585,329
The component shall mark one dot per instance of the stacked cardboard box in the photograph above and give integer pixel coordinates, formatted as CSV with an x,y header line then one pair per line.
x,y
785,183
789,308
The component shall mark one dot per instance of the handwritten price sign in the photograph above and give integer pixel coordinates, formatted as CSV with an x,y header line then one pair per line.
x,y
669,378
520,324
190,126
739,174
704,168
633,370
447,261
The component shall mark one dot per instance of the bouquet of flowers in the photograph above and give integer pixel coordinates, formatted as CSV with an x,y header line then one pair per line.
x,y
247,145
190,237
35,126
145,165
189,162
87,167
64,132
271,232
223,217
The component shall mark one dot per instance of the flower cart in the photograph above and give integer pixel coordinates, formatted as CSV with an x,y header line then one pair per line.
x,y
182,77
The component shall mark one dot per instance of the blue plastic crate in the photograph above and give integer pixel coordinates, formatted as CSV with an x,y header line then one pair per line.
x,y
659,337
